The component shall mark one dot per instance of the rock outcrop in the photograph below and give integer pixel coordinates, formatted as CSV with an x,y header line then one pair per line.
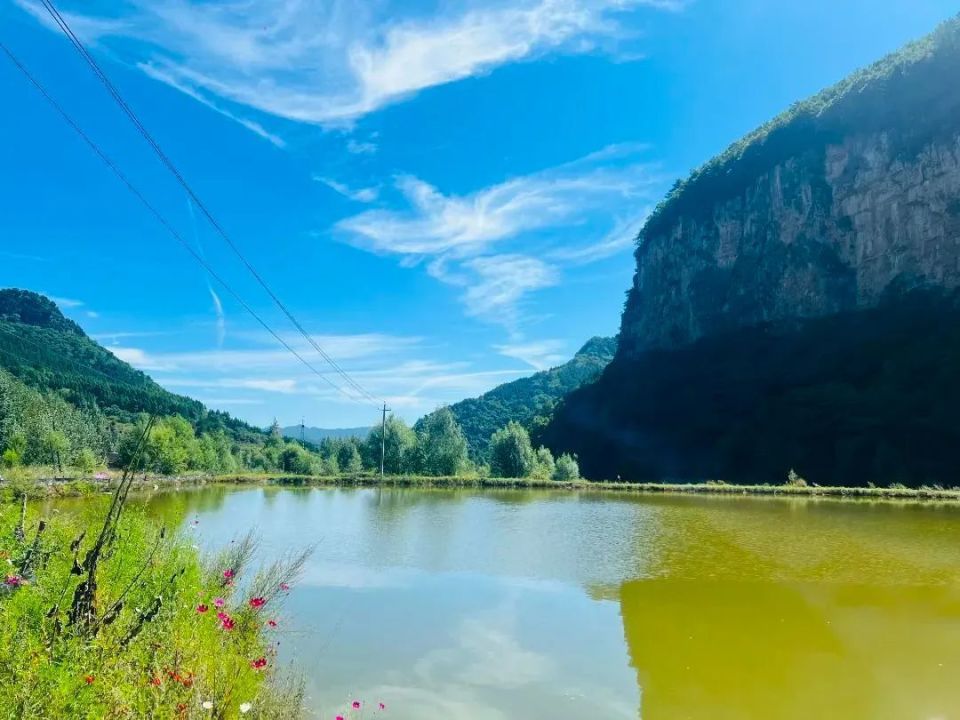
x,y
845,198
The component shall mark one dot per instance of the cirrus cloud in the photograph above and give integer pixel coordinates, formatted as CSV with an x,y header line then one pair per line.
x,y
333,61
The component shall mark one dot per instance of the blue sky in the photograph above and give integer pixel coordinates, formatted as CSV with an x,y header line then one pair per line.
x,y
444,193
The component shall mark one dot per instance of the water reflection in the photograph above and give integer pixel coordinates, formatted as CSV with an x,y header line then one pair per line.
x,y
788,611
457,604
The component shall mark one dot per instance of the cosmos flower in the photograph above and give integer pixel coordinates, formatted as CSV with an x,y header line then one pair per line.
x,y
257,603
201,608
219,602
259,663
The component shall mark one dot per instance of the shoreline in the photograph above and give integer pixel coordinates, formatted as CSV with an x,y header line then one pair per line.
x,y
75,487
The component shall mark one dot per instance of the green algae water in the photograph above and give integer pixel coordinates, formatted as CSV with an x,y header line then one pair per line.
x,y
447,604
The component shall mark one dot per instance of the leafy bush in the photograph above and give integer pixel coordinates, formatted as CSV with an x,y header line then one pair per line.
x,y
511,455
567,468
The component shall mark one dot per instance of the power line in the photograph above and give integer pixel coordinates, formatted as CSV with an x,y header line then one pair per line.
x,y
164,158
160,218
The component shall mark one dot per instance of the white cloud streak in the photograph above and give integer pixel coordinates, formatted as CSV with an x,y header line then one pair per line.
x,y
503,242
363,195
332,61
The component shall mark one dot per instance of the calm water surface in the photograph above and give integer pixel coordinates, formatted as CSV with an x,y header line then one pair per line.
x,y
489,605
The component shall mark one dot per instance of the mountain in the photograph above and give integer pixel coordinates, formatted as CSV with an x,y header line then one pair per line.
x,y
526,399
794,299
50,353
315,435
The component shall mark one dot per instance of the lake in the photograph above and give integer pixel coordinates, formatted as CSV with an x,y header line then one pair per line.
x,y
448,604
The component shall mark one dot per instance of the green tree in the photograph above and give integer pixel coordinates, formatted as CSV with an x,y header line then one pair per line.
x,y
348,459
10,458
401,442
56,446
85,460
511,455
172,446
566,468
295,459
545,466
441,444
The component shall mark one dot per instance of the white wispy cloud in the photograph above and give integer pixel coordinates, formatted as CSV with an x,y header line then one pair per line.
x,y
508,240
332,61
539,354
64,302
364,195
623,235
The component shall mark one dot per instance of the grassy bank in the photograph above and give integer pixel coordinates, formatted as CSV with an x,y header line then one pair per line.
x,y
105,614
41,485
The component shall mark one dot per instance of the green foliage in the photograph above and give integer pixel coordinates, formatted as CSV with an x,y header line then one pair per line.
x,y
56,447
401,443
171,446
348,459
567,468
161,663
544,466
51,354
85,461
865,396
442,446
10,458
511,455
296,460
531,400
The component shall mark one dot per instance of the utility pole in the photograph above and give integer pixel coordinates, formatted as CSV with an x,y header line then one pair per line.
x,y
383,439
302,427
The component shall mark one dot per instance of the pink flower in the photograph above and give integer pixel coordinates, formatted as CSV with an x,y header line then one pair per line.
x,y
382,706
219,602
257,603
356,704
272,623
259,663
339,717
226,622
14,581
284,587
201,608
228,574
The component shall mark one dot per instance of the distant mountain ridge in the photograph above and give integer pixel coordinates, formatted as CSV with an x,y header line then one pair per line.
x,y
528,398
315,435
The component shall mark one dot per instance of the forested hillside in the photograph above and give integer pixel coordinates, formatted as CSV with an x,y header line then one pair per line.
x,y
50,353
530,400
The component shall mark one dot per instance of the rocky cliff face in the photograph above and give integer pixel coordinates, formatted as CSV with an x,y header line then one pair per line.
x,y
851,195
803,240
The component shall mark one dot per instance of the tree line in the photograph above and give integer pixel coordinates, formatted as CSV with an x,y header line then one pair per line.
x,y
42,428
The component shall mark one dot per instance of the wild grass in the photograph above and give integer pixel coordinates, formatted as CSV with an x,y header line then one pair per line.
x,y
104,618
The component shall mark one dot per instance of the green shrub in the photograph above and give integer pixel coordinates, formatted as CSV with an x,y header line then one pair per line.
x,y
567,468
85,461
10,458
